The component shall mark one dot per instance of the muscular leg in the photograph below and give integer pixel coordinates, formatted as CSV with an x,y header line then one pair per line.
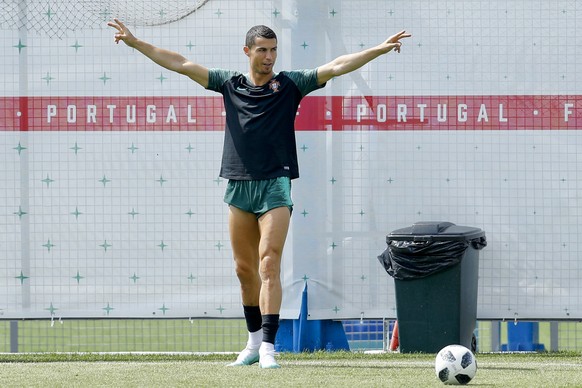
x,y
273,227
244,238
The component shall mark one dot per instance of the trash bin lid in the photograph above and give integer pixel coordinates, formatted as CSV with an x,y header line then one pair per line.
x,y
435,231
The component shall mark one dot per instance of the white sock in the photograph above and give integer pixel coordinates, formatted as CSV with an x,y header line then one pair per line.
x,y
267,347
255,339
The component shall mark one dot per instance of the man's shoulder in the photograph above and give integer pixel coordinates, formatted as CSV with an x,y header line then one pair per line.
x,y
217,77
221,70
298,73
305,79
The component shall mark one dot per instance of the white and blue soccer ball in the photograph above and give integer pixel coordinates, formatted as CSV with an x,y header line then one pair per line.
x,y
455,365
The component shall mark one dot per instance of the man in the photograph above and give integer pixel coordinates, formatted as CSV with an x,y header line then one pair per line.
x,y
259,160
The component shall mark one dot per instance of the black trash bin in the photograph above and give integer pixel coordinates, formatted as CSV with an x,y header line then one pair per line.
x,y
435,266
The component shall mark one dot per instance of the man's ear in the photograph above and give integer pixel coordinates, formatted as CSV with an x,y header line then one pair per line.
x,y
247,50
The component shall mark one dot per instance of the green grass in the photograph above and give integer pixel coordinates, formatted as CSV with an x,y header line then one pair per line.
x,y
335,369
126,335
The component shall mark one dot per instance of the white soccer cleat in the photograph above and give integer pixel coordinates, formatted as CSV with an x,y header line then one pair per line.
x,y
246,357
267,360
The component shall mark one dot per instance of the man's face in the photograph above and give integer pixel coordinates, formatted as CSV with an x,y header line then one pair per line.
x,y
262,55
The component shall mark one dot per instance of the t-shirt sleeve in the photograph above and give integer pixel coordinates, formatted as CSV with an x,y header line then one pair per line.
x,y
217,78
306,80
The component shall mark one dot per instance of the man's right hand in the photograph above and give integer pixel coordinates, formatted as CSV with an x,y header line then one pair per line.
x,y
123,33
169,59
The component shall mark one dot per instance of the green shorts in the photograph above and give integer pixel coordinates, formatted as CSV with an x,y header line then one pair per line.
x,y
259,196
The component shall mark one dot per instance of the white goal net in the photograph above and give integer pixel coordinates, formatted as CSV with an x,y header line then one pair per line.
x,y
56,18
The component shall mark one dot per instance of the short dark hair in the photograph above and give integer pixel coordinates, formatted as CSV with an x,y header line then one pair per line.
x,y
259,31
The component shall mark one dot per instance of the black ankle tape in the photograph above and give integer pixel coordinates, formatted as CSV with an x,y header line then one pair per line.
x,y
270,327
253,318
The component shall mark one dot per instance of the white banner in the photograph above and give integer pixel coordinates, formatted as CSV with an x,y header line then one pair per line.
x,y
111,205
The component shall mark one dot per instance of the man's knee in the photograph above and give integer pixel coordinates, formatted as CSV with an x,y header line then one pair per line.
x,y
270,267
245,270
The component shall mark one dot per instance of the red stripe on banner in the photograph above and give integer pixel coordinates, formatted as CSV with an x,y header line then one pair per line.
x,y
316,113
22,113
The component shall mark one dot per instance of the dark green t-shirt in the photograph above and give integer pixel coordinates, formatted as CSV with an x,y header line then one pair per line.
x,y
259,140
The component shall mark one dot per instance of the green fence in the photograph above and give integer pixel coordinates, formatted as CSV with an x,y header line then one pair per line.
x,y
227,335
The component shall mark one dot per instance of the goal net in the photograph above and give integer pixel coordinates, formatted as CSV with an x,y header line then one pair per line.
x,y
58,17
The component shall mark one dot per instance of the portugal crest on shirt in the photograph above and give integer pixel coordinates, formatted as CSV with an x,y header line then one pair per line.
x,y
274,85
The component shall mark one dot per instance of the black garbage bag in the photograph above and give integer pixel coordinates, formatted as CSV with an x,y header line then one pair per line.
x,y
408,259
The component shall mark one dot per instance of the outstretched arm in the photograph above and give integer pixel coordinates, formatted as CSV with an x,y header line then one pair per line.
x,y
350,62
166,58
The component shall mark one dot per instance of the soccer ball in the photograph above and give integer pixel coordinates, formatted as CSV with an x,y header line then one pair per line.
x,y
455,365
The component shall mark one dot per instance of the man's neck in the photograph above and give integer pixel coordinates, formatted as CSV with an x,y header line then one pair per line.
x,y
260,79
